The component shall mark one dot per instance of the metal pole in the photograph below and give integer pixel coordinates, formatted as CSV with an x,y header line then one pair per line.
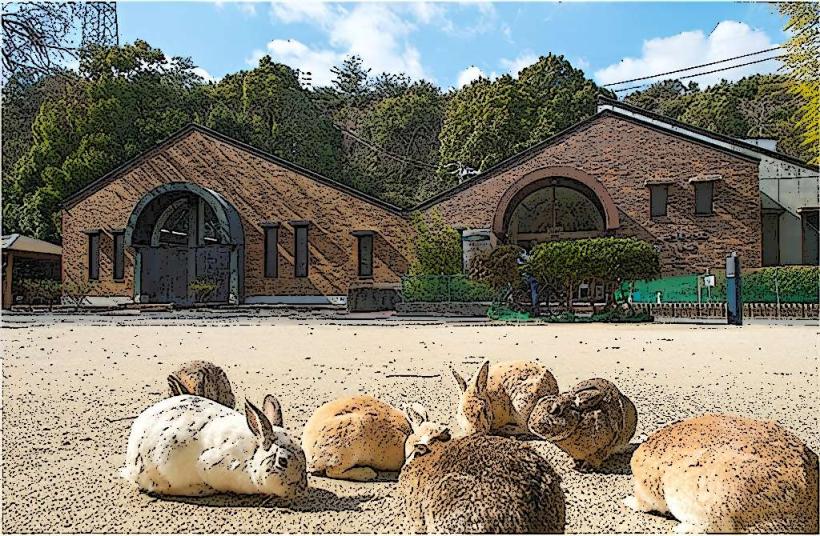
x,y
734,299
777,291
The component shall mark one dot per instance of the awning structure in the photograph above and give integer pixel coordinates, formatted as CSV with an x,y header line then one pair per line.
x,y
27,244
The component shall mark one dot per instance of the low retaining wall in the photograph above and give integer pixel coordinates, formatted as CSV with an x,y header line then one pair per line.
x,y
442,309
718,310
368,298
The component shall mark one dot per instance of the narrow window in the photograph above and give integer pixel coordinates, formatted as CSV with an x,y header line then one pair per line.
x,y
703,197
365,252
658,194
811,236
271,250
119,255
301,238
94,256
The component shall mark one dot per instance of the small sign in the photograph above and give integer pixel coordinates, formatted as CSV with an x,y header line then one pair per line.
x,y
708,281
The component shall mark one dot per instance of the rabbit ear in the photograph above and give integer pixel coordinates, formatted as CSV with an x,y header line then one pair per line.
x,y
462,383
259,424
588,398
176,386
272,410
416,414
201,382
480,380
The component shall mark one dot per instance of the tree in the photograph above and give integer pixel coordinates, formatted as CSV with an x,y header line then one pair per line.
x,y
279,117
556,96
482,124
405,127
41,38
488,121
757,106
131,97
803,60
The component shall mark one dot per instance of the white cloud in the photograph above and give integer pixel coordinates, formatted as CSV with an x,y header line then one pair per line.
x,y
302,57
662,54
514,66
205,75
248,8
302,11
468,75
378,33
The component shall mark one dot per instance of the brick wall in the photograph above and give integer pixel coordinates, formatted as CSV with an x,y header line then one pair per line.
x,y
260,190
622,154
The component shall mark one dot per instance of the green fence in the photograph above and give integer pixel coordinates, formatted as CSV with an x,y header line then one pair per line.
x,y
782,284
444,288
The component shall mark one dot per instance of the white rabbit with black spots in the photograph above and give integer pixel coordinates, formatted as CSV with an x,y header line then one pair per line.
x,y
189,445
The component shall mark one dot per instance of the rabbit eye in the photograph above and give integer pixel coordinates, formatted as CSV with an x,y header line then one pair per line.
x,y
444,435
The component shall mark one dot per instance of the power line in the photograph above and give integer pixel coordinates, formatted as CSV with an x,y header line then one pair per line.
x,y
387,153
704,73
366,143
694,67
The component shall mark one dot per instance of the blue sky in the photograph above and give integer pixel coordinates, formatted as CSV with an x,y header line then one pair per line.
x,y
453,43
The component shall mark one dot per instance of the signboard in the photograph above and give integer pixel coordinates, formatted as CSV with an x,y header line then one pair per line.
x,y
708,281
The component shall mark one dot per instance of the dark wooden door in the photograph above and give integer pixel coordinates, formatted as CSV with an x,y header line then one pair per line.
x,y
214,264
165,275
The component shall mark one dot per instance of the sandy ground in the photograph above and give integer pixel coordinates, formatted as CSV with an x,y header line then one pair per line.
x,y
69,387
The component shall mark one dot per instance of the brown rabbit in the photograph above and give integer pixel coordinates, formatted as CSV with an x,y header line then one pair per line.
x,y
202,378
480,484
590,422
498,399
724,473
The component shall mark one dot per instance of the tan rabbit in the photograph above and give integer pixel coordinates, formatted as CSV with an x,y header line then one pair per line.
x,y
590,422
724,473
353,437
202,378
498,399
480,484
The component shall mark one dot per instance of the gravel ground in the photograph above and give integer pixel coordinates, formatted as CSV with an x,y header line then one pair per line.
x,y
71,385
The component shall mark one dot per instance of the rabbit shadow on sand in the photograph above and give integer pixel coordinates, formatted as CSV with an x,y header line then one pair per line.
x,y
618,463
312,500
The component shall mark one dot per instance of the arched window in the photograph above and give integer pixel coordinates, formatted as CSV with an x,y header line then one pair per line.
x,y
556,211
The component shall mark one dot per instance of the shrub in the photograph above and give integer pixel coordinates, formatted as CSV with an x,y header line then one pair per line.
x,y
455,288
202,288
47,291
564,264
437,246
498,268
76,292
794,284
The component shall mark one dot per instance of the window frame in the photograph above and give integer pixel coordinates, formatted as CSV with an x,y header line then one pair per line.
x,y
299,227
361,237
698,185
270,250
118,258
653,188
805,214
93,251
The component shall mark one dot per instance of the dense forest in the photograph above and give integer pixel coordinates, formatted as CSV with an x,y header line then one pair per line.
x,y
395,138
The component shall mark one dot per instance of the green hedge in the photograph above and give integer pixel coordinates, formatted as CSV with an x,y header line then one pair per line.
x,y
794,284
564,264
445,288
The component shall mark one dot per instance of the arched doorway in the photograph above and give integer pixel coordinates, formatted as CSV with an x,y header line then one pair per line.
x,y
188,244
554,204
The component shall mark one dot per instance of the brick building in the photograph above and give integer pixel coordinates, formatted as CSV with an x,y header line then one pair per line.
x,y
201,207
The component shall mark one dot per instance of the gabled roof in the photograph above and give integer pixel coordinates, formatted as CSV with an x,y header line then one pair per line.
x,y
720,140
93,186
513,160
18,242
